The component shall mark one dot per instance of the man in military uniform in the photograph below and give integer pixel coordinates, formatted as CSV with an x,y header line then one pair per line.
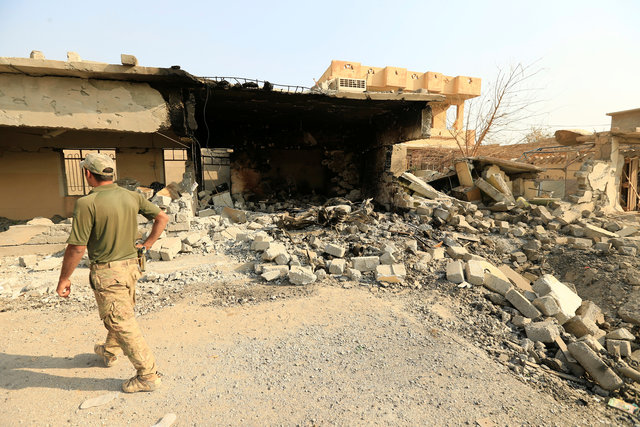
x,y
105,223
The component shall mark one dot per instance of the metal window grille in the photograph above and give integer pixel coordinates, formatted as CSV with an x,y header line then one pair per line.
x,y
75,182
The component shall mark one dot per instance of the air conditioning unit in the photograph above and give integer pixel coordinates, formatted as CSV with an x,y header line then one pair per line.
x,y
343,84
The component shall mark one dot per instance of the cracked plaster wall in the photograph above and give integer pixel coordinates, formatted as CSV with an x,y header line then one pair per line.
x,y
74,103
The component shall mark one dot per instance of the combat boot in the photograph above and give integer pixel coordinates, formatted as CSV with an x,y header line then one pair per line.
x,y
107,358
138,383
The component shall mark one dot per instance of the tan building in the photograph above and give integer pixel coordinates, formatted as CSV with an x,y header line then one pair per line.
x,y
54,112
353,76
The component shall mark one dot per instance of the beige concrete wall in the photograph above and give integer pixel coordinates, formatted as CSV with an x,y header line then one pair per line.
x,y
74,103
31,167
31,184
143,166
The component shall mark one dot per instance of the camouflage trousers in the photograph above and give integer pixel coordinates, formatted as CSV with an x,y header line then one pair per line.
x,y
114,285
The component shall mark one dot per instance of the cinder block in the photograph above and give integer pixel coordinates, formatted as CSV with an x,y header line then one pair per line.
x,y
456,252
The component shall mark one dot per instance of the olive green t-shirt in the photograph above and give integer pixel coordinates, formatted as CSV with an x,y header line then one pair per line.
x,y
106,221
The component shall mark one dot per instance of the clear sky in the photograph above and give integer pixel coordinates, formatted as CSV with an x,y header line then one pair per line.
x,y
589,51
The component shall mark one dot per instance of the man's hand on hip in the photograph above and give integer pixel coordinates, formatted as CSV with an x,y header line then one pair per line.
x,y
64,288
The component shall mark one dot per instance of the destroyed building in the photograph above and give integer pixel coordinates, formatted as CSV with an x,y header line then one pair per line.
x,y
262,140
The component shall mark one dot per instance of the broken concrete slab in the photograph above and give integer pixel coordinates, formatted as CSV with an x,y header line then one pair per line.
x,y
457,252
568,300
580,326
590,310
274,250
603,375
391,273
491,191
621,334
301,275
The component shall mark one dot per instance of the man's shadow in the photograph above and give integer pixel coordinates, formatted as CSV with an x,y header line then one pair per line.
x,y
18,372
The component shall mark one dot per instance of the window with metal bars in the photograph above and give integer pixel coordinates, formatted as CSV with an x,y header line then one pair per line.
x,y
75,182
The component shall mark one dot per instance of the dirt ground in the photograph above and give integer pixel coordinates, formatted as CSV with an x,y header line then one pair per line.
x,y
236,352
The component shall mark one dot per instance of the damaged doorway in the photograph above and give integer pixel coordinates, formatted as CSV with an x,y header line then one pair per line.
x,y
629,197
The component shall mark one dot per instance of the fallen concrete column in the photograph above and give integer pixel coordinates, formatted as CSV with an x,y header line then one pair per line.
x,y
599,371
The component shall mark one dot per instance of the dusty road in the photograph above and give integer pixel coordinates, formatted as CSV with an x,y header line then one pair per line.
x,y
334,357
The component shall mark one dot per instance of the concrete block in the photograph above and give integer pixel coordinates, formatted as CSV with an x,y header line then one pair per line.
x,y
520,321
170,247
335,250
457,252
301,276
619,348
580,327
274,250
522,304
547,305
391,273
474,271
336,266
282,259
206,212
179,226
235,215
222,200
365,263
580,243
161,201
520,282
602,247
496,283
436,253
590,310
544,214
592,342
270,275
604,376
592,231
621,334
354,274
455,273
568,301
627,250
387,258
546,331
519,257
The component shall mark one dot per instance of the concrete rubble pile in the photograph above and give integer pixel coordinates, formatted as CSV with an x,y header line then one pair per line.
x,y
563,332
494,250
